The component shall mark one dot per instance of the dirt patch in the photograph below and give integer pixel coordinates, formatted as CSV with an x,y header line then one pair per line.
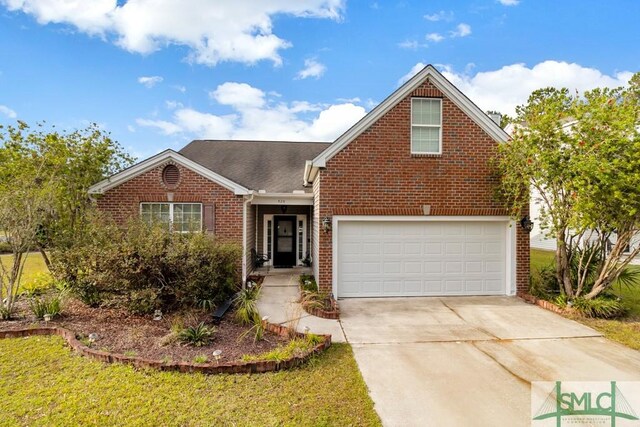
x,y
124,333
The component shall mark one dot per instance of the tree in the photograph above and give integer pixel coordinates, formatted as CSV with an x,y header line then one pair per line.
x,y
75,161
581,155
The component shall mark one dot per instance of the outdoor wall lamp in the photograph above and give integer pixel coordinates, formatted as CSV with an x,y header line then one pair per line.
x,y
326,224
526,224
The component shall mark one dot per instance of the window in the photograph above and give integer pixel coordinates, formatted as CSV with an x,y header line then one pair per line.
x,y
426,126
300,239
181,217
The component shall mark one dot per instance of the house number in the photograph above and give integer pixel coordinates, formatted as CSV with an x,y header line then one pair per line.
x,y
282,201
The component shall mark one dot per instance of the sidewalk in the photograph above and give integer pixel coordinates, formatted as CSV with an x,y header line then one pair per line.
x,y
279,300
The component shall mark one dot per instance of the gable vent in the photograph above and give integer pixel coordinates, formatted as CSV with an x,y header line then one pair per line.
x,y
171,175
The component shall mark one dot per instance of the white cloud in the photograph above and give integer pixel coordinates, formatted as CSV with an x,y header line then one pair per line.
x,y
8,112
414,70
149,81
224,30
434,37
238,95
439,16
312,68
409,44
180,88
258,116
172,105
462,30
509,2
511,85
165,127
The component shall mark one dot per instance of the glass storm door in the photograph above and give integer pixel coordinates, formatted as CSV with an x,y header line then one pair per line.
x,y
284,245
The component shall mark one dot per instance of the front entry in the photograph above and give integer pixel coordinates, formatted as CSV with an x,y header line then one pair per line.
x,y
284,245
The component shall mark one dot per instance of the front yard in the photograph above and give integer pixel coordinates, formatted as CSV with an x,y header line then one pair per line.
x,y
42,383
626,330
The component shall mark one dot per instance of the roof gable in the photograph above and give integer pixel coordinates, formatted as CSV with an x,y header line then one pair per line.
x,y
440,82
157,160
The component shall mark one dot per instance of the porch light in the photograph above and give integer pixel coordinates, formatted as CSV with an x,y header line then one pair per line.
x,y
326,224
526,224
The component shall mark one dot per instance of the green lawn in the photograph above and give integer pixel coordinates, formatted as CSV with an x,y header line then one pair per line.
x,y
44,384
33,267
540,258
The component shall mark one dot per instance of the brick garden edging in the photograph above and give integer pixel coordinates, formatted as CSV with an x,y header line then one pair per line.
x,y
333,314
205,368
547,305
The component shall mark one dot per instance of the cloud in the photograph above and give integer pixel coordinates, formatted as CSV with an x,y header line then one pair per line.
x,y
172,105
312,68
180,88
439,16
511,85
224,30
149,81
238,95
256,115
409,44
509,2
8,112
414,70
462,30
434,37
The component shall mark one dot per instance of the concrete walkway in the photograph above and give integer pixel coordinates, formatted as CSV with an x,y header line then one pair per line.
x,y
279,300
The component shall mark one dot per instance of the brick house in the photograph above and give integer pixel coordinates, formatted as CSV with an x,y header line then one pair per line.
x,y
401,204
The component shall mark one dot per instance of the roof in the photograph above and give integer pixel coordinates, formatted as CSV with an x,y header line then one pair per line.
x,y
157,160
274,166
439,81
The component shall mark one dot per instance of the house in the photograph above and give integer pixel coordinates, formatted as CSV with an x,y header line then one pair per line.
x,y
401,204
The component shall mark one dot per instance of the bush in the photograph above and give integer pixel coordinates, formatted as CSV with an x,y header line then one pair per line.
x,y
197,336
5,248
308,283
604,306
146,267
51,305
246,304
544,283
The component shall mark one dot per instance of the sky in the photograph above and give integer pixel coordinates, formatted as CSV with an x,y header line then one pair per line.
x,y
157,74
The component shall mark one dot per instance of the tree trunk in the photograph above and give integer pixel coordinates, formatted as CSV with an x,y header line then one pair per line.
x,y
46,259
562,265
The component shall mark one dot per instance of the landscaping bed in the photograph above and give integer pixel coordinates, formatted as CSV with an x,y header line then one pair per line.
x,y
314,302
121,332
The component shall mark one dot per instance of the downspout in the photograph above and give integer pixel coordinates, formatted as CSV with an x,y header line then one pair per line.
x,y
244,239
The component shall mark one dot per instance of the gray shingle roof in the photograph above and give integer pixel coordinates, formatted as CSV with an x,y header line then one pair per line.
x,y
274,166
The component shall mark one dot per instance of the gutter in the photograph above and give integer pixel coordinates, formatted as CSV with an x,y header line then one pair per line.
x,y
310,173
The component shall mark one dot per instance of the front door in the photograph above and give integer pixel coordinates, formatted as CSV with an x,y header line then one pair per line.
x,y
284,245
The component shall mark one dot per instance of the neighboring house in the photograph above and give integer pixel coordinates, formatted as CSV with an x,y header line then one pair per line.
x,y
399,205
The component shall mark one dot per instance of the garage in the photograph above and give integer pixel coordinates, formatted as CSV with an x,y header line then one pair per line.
x,y
384,258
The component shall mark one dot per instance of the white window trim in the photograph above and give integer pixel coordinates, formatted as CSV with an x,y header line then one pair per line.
x,y
265,244
426,126
171,212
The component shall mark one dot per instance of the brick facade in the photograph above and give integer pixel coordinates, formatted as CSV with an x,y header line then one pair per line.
x,y
376,174
123,201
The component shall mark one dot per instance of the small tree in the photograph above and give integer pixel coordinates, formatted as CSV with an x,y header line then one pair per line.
x,y
581,155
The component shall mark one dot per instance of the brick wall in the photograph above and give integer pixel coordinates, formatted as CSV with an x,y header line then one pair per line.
x,y
123,201
376,174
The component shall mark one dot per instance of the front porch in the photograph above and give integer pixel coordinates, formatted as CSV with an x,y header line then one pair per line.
x,y
278,232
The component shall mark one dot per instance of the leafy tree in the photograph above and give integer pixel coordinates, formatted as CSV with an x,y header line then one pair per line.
x,y
581,155
504,119
73,161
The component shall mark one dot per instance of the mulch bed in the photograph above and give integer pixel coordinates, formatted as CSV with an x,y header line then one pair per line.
x,y
124,333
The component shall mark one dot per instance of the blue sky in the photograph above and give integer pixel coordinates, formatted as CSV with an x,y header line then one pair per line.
x,y
157,74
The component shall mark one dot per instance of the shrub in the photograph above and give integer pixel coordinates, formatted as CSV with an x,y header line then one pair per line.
x,y
246,304
51,305
197,336
604,306
544,283
146,267
5,248
37,285
308,283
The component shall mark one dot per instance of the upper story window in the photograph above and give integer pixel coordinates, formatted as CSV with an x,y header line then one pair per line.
x,y
181,217
426,126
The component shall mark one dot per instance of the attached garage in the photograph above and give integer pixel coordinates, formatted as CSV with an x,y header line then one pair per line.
x,y
444,256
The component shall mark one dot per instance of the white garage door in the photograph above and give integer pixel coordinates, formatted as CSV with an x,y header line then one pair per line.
x,y
421,258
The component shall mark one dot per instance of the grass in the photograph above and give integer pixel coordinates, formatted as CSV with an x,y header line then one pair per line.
x,y
626,331
33,267
43,384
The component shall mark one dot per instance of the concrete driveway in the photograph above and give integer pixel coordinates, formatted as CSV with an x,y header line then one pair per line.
x,y
469,361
